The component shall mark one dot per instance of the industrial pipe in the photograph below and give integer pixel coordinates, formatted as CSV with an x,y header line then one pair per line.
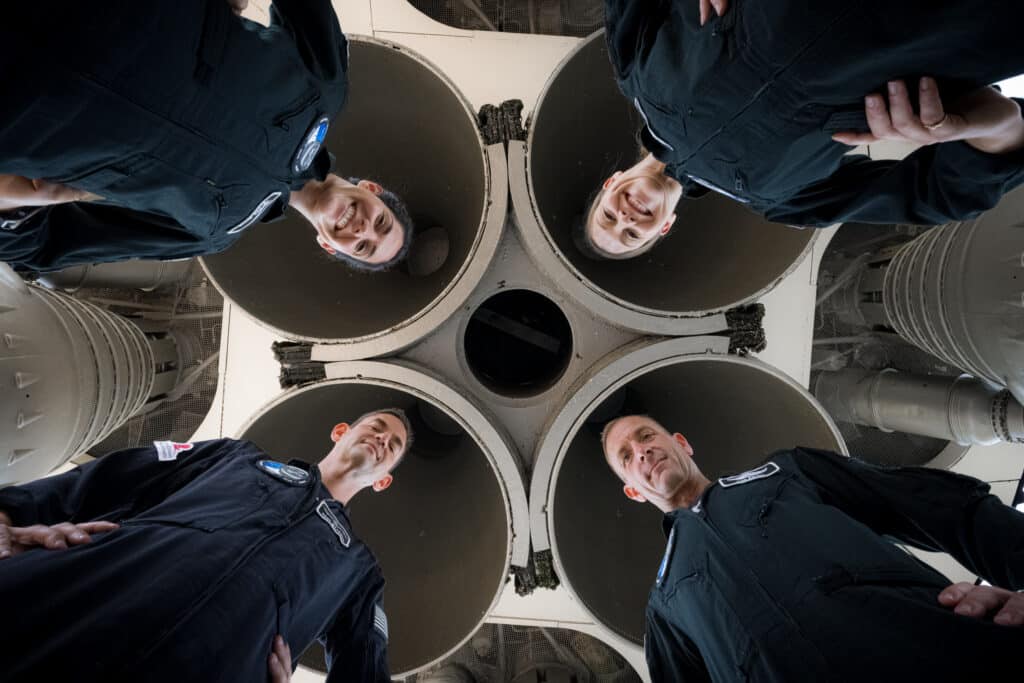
x,y
734,411
131,274
963,409
447,530
426,149
718,255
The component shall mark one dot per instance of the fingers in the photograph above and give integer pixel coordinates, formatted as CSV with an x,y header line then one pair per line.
x,y
6,543
280,661
929,102
878,117
720,7
59,536
1012,613
979,601
854,139
97,527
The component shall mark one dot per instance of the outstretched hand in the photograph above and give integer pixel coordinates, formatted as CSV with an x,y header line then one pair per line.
x,y
16,540
280,661
1004,606
17,191
985,119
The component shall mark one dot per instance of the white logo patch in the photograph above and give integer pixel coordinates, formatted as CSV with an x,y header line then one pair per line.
x,y
336,526
167,451
762,472
380,621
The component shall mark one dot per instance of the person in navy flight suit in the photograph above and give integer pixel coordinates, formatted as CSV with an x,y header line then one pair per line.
x,y
164,130
763,101
787,572
206,561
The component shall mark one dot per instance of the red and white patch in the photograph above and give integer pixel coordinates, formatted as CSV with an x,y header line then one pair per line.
x,y
169,450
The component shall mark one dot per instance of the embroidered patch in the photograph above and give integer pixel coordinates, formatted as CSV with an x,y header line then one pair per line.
x,y
256,213
663,567
380,621
762,472
286,473
167,451
326,514
311,144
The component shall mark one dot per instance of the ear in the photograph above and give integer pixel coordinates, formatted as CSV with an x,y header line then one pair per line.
x,y
683,442
633,494
668,224
370,186
339,431
612,179
383,483
326,247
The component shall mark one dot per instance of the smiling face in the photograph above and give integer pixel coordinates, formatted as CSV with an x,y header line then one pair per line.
x,y
352,219
634,208
368,450
653,465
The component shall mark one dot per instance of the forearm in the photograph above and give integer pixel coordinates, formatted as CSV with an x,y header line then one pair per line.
x,y
14,191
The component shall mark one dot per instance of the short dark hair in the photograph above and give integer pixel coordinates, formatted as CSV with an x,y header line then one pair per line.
x,y
404,219
402,417
608,426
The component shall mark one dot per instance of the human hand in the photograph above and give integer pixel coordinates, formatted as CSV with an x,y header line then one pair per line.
x,y
981,601
238,6
17,191
280,661
985,119
720,7
16,540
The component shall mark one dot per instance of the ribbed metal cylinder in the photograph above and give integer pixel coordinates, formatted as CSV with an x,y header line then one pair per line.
x,y
70,374
958,293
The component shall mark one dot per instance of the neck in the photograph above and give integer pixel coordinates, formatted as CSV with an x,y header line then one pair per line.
x,y
339,481
652,163
688,494
304,200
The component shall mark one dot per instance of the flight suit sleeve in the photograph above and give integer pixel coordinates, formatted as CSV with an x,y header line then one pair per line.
x,y
313,24
109,487
83,232
671,656
356,643
936,184
930,509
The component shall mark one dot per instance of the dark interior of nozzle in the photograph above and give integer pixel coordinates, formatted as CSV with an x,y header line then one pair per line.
x,y
717,253
405,128
733,416
518,343
440,532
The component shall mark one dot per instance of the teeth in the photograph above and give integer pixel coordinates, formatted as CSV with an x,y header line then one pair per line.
x,y
347,216
636,205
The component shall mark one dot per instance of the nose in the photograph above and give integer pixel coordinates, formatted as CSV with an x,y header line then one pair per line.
x,y
639,452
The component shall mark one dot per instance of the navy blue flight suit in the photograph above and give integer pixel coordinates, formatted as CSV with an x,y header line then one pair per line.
x,y
185,118
783,573
746,105
217,553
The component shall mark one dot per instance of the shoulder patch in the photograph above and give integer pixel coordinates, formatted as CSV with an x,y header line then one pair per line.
x,y
167,451
296,476
380,621
323,510
663,567
764,471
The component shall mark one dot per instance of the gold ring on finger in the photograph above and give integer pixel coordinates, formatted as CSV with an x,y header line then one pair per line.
x,y
938,124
